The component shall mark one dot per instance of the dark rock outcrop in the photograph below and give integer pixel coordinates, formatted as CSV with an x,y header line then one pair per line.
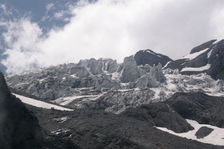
x,y
200,107
161,115
96,129
203,132
151,58
209,59
202,46
19,128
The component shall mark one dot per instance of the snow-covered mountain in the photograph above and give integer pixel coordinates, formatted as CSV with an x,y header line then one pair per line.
x,y
208,58
105,84
99,103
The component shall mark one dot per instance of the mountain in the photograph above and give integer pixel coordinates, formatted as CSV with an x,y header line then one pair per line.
x,y
207,58
136,128
151,58
15,119
99,103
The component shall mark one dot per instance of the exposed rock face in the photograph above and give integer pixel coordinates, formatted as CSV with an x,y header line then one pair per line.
x,y
161,115
208,58
19,127
200,107
151,58
96,129
216,59
203,132
202,46
2,68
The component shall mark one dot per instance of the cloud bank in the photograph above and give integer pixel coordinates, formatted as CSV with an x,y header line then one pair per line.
x,y
114,29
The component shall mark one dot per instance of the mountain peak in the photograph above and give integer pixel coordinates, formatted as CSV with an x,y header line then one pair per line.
x,y
203,46
150,57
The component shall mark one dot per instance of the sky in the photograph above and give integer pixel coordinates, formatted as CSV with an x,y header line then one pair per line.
x,y
42,33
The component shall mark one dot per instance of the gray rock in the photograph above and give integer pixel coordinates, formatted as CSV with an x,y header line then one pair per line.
x,y
200,107
151,58
214,56
203,132
18,126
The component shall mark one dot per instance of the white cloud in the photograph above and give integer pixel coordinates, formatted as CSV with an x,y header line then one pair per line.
x,y
115,29
22,39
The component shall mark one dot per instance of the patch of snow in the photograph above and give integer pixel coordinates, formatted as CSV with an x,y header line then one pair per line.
x,y
216,137
194,55
151,52
197,69
41,104
61,131
216,42
74,76
124,90
115,76
209,53
166,65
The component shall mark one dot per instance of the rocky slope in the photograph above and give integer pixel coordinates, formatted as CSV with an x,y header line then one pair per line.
x,y
200,107
129,105
14,121
134,128
207,58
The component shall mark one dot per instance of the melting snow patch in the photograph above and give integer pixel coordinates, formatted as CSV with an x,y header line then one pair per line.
x,y
166,64
209,53
215,137
40,104
197,69
196,54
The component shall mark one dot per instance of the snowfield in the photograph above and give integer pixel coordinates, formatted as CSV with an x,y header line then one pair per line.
x,y
196,54
197,69
40,104
216,137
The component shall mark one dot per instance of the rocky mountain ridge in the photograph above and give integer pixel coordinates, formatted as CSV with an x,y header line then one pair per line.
x,y
127,105
105,84
207,58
